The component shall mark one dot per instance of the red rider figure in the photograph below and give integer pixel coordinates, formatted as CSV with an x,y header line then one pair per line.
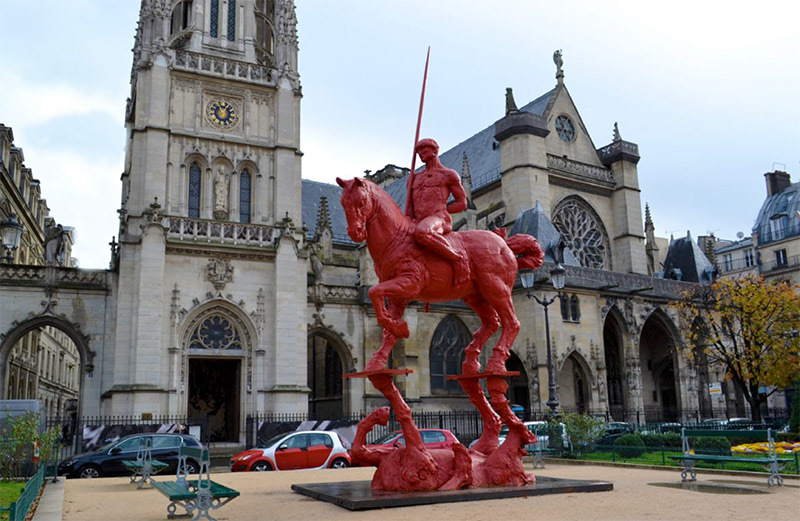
x,y
426,204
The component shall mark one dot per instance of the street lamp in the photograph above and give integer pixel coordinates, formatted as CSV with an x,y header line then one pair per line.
x,y
557,278
12,231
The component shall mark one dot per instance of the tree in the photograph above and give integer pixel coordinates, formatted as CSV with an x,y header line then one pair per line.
x,y
750,327
583,431
17,443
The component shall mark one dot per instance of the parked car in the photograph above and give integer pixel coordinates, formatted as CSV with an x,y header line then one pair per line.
x,y
542,431
432,438
295,451
613,430
107,460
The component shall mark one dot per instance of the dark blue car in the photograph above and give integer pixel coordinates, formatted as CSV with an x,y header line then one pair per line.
x,y
107,460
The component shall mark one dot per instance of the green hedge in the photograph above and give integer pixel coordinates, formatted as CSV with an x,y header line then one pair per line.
x,y
630,445
713,445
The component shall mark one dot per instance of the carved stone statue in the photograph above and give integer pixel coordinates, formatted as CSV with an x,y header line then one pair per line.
x,y
221,194
54,245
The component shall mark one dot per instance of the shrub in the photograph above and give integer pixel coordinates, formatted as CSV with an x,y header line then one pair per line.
x,y
791,437
583,431
672,440
653,441
794,418
630,445
713,445
16,445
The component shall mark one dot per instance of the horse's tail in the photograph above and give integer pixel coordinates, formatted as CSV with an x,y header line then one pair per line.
x,y
529,254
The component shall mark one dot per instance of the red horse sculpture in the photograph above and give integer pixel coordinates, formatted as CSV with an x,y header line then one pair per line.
x,y
408,272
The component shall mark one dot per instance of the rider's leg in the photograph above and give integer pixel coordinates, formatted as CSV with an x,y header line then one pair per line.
x,y
428,233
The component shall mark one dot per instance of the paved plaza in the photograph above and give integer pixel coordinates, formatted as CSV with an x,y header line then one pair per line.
x,y
268,496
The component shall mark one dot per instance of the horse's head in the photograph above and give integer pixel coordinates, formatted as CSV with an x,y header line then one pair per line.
x,y
358,206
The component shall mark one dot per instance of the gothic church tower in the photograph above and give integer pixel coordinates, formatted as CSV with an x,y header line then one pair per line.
x,y
211,260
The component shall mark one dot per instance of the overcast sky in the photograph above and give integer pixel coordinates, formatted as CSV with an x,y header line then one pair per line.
x,y
708,90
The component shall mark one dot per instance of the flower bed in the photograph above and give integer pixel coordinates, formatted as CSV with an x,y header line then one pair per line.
x,y
781,447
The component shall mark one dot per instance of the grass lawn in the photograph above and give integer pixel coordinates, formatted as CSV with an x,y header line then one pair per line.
x,y
9,492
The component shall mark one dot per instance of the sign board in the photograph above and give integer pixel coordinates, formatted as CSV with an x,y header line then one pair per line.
x,y
715,388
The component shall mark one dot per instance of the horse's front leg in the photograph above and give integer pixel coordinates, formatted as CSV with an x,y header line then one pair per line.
x,y
399,289
381,356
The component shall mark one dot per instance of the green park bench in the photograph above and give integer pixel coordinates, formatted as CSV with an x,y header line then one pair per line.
x,y
770,461
196,496
144,465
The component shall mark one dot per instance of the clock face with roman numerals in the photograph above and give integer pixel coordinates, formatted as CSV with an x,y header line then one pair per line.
x,y
222,114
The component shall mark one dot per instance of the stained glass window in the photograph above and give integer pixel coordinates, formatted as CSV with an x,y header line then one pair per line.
x,y
231,20
214,17
215,332
447,354
565,129
583,232
194,191
244,196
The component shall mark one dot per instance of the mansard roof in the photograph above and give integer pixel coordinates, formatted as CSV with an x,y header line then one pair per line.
x,y
685,261
778,217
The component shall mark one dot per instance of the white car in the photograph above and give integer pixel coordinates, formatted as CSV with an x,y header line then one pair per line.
x,y
295,451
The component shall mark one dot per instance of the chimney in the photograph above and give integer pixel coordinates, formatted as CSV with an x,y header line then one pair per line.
x,y
777,182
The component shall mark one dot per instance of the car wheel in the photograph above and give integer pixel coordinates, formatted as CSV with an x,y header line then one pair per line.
x,y
89,472
191,467
339,464
261,466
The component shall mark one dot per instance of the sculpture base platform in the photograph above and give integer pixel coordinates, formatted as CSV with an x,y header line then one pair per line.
x,y
367,374
504,374
358,495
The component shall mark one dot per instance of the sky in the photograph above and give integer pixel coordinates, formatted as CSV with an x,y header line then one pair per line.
x,y
708,90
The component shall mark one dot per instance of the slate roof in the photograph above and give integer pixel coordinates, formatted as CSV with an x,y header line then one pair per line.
x,y
687,262
312,192
534,221
781,208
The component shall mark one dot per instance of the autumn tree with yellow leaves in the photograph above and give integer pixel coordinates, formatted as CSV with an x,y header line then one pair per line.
x,y
752,328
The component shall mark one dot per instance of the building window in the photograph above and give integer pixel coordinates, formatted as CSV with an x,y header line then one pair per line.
x,y
244,197
215,333
264,11
570,308
776,228
231,20
214,18
780,258
181,16
194,191
564,307
749,259
565,129
583,232
728,261
447,354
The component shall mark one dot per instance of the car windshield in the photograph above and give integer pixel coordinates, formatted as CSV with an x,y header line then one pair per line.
x,y
386,438
273,441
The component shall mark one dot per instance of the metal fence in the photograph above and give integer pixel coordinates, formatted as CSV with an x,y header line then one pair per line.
x,y
20,507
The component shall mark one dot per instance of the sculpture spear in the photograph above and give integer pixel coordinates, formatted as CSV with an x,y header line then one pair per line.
x,y
409,203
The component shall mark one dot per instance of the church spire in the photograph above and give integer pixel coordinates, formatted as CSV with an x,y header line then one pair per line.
x,y
323,217
651,249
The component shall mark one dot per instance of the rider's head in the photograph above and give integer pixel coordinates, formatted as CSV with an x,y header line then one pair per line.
x,y
427,142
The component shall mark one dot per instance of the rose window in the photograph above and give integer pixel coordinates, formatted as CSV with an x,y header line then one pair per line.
x,y
583,233
215,332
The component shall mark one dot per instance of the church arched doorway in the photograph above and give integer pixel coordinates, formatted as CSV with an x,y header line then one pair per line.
x,y
573,385
518,388
217,359
660,386
328,399
616,389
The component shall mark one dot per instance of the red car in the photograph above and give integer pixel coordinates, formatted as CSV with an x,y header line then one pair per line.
x,y
295,451
432,438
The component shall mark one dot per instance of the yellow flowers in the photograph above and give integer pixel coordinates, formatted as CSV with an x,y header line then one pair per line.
x,y
781,447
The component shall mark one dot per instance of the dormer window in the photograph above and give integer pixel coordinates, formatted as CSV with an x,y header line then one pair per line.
x,y
265,33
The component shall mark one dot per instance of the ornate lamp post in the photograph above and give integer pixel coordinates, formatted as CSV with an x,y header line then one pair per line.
x,y
12,231
557,278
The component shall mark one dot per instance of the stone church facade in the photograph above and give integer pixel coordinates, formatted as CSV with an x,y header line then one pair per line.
x,y
234,289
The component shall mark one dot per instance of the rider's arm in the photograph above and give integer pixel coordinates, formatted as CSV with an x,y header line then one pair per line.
x,y
459,203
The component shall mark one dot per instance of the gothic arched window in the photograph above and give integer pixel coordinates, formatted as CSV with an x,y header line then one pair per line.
x,y
231,20
181,16
194,191
244,196
583,232
214,18
447,354
216,332
265,35
574,309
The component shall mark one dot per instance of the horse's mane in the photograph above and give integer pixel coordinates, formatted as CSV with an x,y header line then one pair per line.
x,y
383,198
